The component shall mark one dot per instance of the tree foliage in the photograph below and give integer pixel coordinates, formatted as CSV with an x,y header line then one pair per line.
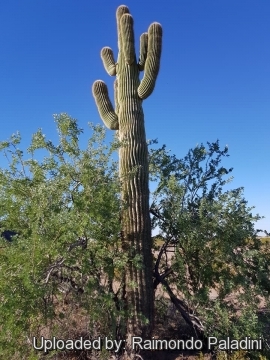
x,y
220,268
65,210
65,265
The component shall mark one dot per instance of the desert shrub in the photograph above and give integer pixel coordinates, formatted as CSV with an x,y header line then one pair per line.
x,y
219,271
61,275
61,264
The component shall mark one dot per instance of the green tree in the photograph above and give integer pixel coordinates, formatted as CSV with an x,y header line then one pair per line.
x,y
65,210
219,271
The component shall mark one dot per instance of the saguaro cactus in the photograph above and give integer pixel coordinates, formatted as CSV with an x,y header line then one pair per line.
x,y
128,119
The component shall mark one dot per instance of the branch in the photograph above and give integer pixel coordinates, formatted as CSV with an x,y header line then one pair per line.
x,y
64,279
159,278
57,264
82,241
184,310
180,305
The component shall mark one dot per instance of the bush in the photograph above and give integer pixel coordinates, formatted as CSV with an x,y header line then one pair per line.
x,y
62,273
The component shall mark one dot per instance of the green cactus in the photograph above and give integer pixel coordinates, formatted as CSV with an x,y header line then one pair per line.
x,y
128,119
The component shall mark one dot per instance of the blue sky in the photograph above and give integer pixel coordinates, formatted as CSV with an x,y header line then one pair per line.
x,y
214,80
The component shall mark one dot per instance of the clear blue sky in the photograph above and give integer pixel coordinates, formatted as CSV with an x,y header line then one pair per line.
x,y
214,80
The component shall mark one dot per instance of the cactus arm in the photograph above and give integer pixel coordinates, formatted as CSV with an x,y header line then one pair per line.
x,y
121,10
104,105
127,36
108,61
143,51
147,84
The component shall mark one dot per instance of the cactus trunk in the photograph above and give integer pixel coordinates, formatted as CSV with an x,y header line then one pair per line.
x,y
128,119
136,227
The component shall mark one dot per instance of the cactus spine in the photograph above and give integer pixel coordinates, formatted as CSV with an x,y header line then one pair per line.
x,y
128,119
